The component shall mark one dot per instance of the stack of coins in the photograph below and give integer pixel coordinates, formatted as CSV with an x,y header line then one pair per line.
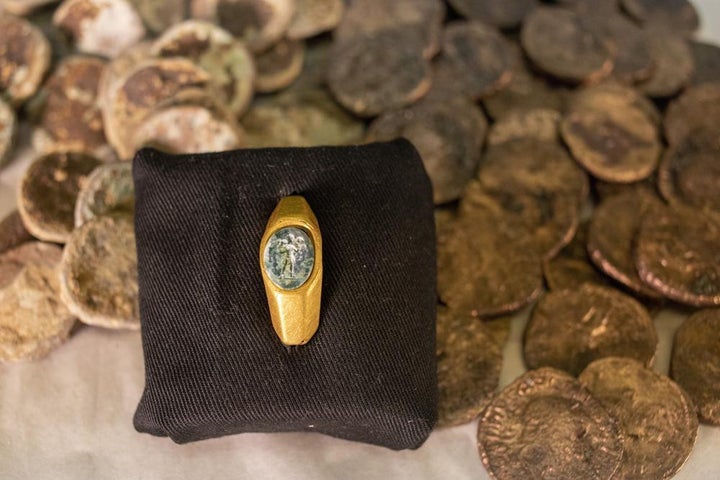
x,y
573,147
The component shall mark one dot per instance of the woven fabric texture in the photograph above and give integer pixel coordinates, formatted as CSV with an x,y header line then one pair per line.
x,y
214,365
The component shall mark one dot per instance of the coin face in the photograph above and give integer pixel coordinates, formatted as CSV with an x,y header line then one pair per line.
x,y
695,363
698,108
289,257
505,14
674,64
98,273
47,193
541,123
677,254
279,66
312,17
109,188
656,417
24,58
468,366
13,231
545,425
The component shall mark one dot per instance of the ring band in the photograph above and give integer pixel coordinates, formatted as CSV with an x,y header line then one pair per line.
x,y
291,266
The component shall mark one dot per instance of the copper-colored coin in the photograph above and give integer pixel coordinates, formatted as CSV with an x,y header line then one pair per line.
x,y
678,254
541,123
524,92
448,135
32,321
559,42
545,425
98,273
372,75
611,237
674,64
70,118
24,58
108,189
468,367
476,59
654,414
698,108
500,13
312,17
8,126
570,328
611,97
13,231
675,14
100,27
695,363
617,146
707,62
159,15
279,66
47,193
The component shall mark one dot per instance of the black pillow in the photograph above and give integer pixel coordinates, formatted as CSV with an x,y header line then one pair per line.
x,y
214,365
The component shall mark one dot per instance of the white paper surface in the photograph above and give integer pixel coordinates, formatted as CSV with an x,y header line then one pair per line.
x,y
69,416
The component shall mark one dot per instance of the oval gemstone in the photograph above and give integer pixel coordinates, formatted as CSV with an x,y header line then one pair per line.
x,y
289,257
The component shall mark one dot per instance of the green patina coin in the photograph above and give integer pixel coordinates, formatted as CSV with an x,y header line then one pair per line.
x,y
289,258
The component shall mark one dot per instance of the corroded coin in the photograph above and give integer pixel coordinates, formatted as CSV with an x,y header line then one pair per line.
x,y
8,125
24,58
677,253
545,425
611,97
674,64
468,367
312,17
13,231
540,123
611,237
32,320
695,363
560,43
108,189
98,273
117,69
698,108
372,75
100,27
501,13
448,135
676,14
159,15
654,414
707,62
47,193
257,23
279,66
70,118
570,328
525,91
571,267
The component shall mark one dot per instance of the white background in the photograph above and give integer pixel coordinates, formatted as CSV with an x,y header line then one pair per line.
x,y
69,416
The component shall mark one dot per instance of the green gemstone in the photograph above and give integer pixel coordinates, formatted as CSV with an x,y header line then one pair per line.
x,y
289,257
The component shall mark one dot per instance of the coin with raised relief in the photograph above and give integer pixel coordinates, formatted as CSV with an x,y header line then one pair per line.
x,y
24,59
108,189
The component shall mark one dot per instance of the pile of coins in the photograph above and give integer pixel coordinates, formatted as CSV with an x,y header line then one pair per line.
x,y
573,147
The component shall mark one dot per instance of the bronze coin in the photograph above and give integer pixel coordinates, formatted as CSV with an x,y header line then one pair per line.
x,y
468,367
611,97
504,14
372,75
698,108
559,43
540,123
616,146
313,17
695,363
159,15
545,425
654,414
523,92
13,231
8,126
279,66
570,328
677,253
676,14
563,272
47,193
611,237
448,136
117,69
707,62
24,58
674,64
108,189
259,24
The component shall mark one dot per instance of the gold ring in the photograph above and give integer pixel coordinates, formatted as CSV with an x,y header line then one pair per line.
x,y
291,266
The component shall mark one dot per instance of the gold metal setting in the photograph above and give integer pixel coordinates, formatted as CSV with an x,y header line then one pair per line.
x,y
291,266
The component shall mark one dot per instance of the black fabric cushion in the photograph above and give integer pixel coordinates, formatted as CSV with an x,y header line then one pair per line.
x,y
214,365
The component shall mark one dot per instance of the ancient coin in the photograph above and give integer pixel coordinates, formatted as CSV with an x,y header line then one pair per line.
x,y
540,123
611,237
603,189
655,416
279,66
13,231
257,23
229,63
545,425
468,367
695,363
698,108
611,97
524,92
448,135
108,189
313,17
377,74
8,124
559,43
618,146
98,273
300,118
563,272
159,15
100,27
706,58
675,14
477,58
677,253
47,193
504,14
315,65
570,328
24,58
188,129
32,320
674,64
69,117
117,69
